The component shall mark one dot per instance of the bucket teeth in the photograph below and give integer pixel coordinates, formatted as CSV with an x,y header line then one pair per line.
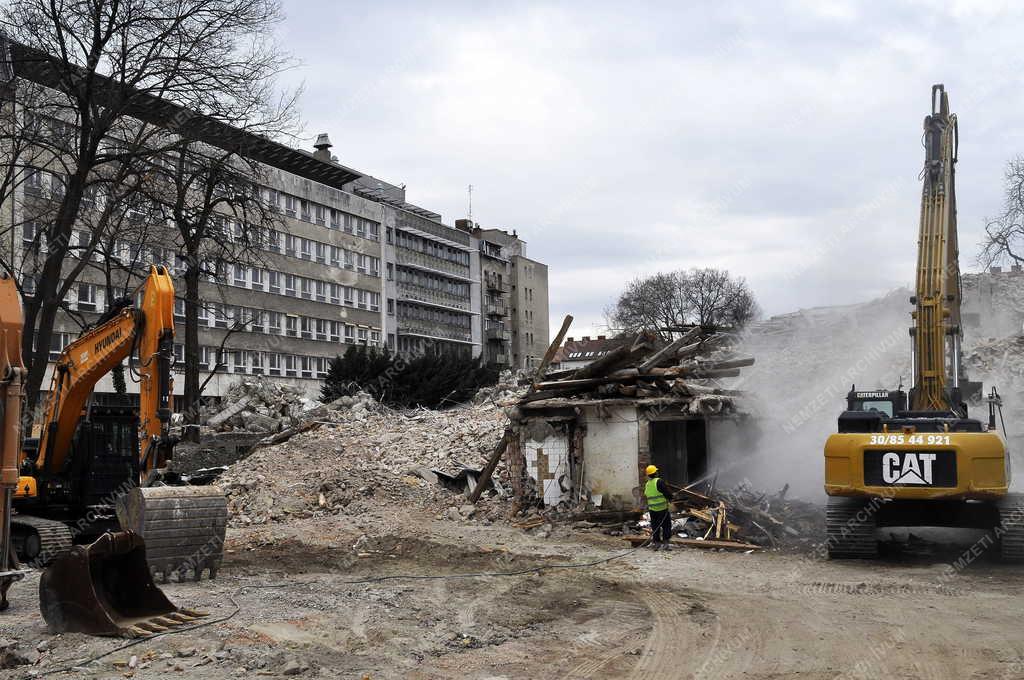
x,y
152,627
136,632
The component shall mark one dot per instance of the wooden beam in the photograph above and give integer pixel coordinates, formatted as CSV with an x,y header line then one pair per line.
x,y
669,350
552,349
492,463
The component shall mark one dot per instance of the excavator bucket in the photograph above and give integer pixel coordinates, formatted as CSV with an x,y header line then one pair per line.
x,y
183,527
105,588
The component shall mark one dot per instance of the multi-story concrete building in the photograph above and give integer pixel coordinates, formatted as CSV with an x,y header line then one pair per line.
x,y
346,261
514,303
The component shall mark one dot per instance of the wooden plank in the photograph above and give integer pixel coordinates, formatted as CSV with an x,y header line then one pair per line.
x,y
710,544
669,350
492,463
552,349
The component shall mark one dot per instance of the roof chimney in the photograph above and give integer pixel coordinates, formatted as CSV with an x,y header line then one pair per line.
x,y
323,147
569,339
586,338
601,337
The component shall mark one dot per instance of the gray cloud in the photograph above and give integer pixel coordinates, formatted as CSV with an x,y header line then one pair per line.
x,y
779,141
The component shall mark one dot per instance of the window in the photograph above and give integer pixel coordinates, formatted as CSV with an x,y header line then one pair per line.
x,y
179,309
85,297
350,334
256,359
321,252
321,329
374,302
375,338
238,364
274,282
318,214
361,295
349,297
306,324
274,241
273,363
372,231
307,288
179,353
350,260
336,255
306,249
289,284
257,278
291,325
28,285
34,182
349,221
362,336
291,244
391,272
289,205
57,185
322,364
374,266
221,316
274,322
361,227
335,294
336,331
289,365
391,306
204,314
335,219
304,206
241,277
362,263
58,341
321,291
307,366
390,235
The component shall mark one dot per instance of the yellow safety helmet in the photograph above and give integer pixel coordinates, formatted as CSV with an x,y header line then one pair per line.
x,y
651,470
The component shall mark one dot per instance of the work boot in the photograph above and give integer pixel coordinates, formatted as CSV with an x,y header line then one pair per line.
x,y
655,546
666,546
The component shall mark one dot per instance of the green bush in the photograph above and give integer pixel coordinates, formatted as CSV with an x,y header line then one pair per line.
x,y
427,380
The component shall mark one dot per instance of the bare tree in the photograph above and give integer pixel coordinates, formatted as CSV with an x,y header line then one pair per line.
x,y
710,298
1004,233
107,58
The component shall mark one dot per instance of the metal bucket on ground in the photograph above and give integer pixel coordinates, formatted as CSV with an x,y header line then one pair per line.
x,y
105,588
183,527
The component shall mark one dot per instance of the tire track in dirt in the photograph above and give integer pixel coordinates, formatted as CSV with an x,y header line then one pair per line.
x,y
594,647
670,644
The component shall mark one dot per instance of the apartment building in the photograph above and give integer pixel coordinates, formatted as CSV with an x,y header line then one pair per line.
x,y
514,302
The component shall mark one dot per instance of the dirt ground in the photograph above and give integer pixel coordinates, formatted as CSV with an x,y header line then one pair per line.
x,y
683,614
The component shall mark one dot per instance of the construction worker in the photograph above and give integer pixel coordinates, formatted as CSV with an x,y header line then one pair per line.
x,y
657,494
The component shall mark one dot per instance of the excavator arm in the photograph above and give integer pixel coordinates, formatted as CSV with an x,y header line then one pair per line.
x,y
147,327
936,333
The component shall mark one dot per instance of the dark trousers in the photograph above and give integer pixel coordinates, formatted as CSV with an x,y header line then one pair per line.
x,y
661,526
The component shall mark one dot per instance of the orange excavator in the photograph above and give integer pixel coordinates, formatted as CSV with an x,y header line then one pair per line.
x,y
99,467
12,372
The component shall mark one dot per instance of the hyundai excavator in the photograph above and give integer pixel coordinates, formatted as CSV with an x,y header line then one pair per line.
x,y
924,463
97,467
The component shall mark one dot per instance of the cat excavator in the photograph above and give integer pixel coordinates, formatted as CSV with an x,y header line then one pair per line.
x,y
926,462
102,467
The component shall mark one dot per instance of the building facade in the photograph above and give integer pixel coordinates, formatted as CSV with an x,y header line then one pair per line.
x,y
345,261
514,300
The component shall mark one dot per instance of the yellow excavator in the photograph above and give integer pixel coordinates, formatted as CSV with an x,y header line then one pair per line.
x,y
99,467
926,463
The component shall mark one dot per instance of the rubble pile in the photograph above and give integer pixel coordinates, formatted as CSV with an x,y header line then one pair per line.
x,y
377,460
686,372
510,387
258,405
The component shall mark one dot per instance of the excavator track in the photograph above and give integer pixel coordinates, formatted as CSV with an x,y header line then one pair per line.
x,y
850,529
183,528
40,541
1011,518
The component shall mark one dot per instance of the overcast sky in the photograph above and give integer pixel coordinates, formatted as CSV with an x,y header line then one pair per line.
x,y
778,140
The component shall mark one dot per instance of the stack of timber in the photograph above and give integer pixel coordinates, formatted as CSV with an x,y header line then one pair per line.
x,y
648,371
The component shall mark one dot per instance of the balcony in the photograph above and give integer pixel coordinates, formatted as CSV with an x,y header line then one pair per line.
x,y
429,296
494,283
496,309
431,329
412,258
498,334
500,360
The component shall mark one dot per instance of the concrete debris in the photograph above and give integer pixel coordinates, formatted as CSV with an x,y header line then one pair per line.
x,y
361,459
259,405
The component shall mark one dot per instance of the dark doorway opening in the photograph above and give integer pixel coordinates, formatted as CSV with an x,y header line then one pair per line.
x,y
680,450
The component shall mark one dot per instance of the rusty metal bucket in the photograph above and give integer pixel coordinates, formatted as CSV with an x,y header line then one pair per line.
x,y
105,588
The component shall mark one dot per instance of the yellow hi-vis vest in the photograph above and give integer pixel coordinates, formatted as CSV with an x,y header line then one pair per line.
x,y
656,500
